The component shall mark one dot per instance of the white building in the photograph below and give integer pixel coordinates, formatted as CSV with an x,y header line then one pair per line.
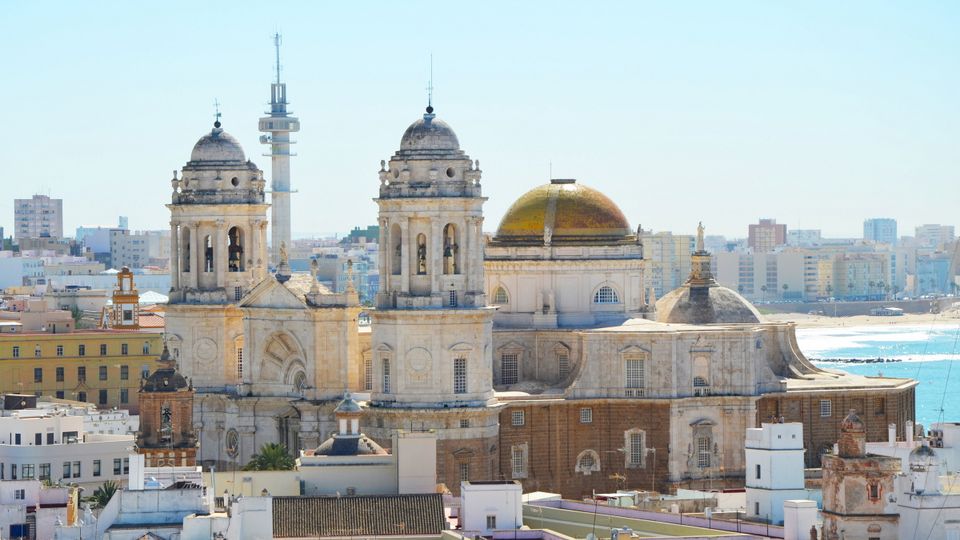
x,y
774,455
29,509
54,446
489,506
38,217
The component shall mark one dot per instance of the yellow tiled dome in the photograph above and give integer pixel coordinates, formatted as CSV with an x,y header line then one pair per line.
x,y
572,213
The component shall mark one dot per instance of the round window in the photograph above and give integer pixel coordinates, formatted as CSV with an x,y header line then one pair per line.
x,y
232,442
235,181
450,172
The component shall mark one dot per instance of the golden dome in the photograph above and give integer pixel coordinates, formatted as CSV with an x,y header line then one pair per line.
x,y
563,212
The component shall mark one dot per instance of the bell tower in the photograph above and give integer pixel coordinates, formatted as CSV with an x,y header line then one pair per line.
x,y
432,329
217,253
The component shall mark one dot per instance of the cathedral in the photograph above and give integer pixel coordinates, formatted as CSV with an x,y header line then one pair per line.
x,y
536,353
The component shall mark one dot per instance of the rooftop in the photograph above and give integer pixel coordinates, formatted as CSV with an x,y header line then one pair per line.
x,y
370,515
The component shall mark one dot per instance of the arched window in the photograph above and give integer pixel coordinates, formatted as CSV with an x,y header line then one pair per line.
x,y
185,249
207,254
606,295
588,462
300,382
235,249
500,297
396,246
451,250
421,261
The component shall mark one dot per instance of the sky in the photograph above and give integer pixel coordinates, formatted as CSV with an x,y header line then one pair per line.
x,y
817,114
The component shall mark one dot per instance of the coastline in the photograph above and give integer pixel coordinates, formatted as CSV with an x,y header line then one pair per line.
x,y
803,320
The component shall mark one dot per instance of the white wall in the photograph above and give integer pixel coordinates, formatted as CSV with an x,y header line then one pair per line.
x,y
501,499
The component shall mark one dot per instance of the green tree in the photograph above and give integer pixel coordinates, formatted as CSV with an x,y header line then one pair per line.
x,y
103,494
272,457
785,287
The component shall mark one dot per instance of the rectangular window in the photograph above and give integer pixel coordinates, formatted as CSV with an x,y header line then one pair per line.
x,y
508,368
44,471
81,396
453,299
703,452
81,373
50,438
368,373
491,522
16,351
563,364
240,364
126,465
124,373
124,396
81,350
517,418
103,397
37,375
634,377
386,375
76,469
117,464
59,350
237,293
756,508
37,351
66,469
13,471
59,394
38,439
59,374
145,371
124,349
758,471
103,349
464,423
586,415
103,373
637,448
518,461
19,494
880,406
146,347
16,439
464,472
27,471
460,375
826,408
96,467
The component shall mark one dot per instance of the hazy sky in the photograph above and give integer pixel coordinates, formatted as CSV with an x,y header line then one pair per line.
x,y
816,114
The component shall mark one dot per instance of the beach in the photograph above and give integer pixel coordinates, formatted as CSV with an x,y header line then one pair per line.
x,y
804,320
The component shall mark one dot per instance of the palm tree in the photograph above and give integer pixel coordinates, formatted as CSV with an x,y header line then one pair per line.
x,y
272,457
763,289
103,494
785,287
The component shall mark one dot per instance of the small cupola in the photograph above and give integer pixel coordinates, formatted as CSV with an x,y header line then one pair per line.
x,y
348,413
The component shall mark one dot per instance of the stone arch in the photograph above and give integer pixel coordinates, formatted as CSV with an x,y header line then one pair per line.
x,y
184,248
236,240
588,462
451,249
501,297
396,249
279,352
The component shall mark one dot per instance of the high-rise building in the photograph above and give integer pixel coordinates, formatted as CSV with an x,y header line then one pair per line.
x,y
279,125
880,230
38,217
766,235
934,236
667,258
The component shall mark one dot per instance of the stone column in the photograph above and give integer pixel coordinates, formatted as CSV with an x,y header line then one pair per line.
x,y
253,255
220,254
194,256
406,242
174,256
386,257
434,265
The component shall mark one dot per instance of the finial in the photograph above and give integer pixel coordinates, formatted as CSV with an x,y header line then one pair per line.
x,y
216,107
430,88
276,43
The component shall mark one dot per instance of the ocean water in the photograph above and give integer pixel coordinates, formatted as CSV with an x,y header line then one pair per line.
x,y
929,354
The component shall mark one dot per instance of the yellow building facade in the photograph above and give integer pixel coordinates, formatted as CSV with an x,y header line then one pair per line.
x,y
102,367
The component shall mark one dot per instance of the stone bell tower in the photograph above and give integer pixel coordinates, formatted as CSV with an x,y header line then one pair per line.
x,y
217,253
432,329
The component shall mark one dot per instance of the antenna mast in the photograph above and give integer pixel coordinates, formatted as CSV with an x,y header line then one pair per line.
x,y
276,44
430,88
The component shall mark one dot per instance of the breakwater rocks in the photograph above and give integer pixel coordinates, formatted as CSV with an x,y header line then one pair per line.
x,y
858,360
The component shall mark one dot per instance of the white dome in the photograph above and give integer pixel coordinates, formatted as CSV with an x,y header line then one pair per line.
x,y
218,145
429,133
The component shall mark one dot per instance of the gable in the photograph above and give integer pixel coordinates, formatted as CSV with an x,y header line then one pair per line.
x,y
270,293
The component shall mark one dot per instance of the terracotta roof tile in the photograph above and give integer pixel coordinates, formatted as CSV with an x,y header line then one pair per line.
x,y
367,515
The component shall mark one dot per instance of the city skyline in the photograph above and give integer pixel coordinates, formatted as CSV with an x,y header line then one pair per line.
x,y
849,115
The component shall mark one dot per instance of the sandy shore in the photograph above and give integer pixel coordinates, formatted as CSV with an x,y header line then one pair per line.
x,y
819,321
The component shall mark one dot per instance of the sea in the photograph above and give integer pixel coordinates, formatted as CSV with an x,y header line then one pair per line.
x,y
930,354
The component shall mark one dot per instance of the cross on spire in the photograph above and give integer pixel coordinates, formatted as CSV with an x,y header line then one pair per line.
x,y
216,108
430,88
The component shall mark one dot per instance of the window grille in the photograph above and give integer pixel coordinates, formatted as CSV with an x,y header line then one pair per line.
x,y
519,461
637,449
634,377
563,364
500,297
586,415
703,452
386,375
460,375
826,408
606,295
517,418
508,368
368,373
